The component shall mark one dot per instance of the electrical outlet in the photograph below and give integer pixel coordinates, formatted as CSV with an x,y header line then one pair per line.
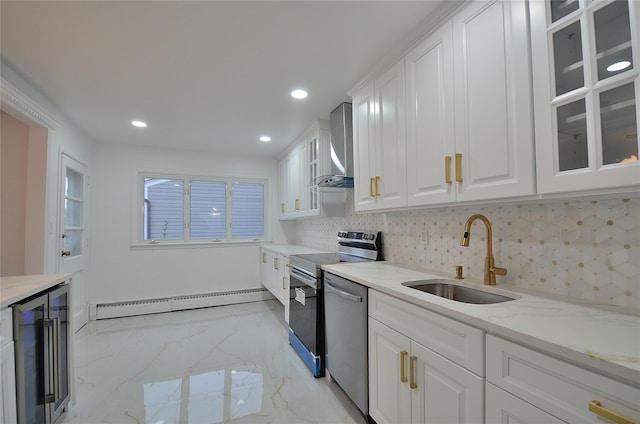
x,y
424,237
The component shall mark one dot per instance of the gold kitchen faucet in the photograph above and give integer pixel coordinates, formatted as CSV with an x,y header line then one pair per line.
x,y
490,270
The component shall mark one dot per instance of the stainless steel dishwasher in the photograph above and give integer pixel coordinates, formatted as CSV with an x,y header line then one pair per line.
x,y
345,305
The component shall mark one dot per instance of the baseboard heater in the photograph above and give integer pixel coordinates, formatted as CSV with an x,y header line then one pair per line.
x,y
176,303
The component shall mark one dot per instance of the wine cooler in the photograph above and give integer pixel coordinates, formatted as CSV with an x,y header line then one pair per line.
x,y
41,333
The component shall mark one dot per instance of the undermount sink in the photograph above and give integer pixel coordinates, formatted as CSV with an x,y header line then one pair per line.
x,y
448,290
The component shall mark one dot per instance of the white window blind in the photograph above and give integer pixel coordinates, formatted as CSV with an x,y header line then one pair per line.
x,y
184,208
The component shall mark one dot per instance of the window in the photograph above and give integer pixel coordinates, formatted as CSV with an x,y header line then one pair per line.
x,y
183,208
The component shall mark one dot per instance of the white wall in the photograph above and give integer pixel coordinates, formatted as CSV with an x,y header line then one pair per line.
x,y
120,272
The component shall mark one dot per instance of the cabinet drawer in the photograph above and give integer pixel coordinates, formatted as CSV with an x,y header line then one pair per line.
x,y
557,387
505,408
6,326
455,341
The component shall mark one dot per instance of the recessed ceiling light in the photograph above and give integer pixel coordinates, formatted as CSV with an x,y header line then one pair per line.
x,y
139,124
265,138
299,94
619,66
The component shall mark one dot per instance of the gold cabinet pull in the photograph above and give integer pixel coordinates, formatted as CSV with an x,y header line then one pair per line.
x,y
297,204
377,186
283,283
412,371
403,376
275,263
597,408
447,169
282,207
264,258
459,167
371,187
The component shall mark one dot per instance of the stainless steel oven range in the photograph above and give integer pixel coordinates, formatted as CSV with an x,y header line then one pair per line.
x,y
306,294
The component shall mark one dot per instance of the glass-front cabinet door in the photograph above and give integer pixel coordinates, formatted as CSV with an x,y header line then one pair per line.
x,y
586,86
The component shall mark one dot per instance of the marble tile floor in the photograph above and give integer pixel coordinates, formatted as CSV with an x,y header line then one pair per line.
x,y
228,364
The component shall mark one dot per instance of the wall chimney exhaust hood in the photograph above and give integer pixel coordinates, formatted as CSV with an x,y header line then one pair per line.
x,y
341,149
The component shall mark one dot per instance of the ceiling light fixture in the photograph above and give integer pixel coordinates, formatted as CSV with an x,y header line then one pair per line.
x,y
139,124
299,94
618,66
265,138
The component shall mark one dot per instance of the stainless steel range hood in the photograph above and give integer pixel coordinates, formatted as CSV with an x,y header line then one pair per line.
x,y
341,128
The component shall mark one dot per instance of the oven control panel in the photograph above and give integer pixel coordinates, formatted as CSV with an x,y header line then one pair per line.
x,y
370,237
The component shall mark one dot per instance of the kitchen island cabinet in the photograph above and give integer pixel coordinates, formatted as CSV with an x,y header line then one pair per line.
x,y
13,290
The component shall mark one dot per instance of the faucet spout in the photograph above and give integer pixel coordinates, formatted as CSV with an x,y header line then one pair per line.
x,y
490,270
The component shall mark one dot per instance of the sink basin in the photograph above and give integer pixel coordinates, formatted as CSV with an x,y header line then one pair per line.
x,y
448,290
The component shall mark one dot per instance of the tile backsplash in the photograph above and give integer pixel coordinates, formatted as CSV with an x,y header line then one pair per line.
x,y
585,249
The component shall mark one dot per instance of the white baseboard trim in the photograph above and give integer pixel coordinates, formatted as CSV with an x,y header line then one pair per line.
x,y
176,303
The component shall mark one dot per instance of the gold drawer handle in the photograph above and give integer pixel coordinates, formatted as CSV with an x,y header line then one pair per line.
x,y
597,408
377,186
297,204
275,263
447,169
264,258
412,371
403,376
371,187
282,207
459,167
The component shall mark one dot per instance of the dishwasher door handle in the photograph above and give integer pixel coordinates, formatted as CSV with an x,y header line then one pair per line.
x,y
353,297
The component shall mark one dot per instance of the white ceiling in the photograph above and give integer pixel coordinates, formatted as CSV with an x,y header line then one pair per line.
x,y
205,75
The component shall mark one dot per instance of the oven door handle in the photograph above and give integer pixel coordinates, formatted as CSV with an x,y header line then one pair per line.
x,y
310,281
329,288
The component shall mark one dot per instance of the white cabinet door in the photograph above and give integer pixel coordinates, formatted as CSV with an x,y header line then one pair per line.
x,y
390,177
283,187
363,149
389,391
295,181
505,408
493,113
586,112
444,392
8,408
430,124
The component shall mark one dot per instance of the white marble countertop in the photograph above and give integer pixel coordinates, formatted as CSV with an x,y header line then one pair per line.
x,y
15,289
290,249
604,341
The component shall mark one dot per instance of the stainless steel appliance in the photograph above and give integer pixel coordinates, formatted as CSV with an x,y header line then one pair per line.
x,y
346,306
306,299
340,121
41,330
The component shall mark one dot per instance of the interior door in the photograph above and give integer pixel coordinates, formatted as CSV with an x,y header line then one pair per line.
x,y
73,235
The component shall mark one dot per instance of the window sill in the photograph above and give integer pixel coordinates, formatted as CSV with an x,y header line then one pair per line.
x,y
163,245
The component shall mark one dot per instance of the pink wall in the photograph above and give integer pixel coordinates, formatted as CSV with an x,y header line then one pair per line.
x,y
14,143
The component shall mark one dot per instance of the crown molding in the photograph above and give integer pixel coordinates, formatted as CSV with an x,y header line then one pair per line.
x,y
21,104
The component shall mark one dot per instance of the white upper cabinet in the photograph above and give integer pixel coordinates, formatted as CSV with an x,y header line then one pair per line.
x,y
585,67
379,142
363,149
493,114
308,158
430,125
390,140
464,130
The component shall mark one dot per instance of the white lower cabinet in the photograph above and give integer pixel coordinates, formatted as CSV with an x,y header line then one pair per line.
x,y
411,383
274,276
505,408
563,390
